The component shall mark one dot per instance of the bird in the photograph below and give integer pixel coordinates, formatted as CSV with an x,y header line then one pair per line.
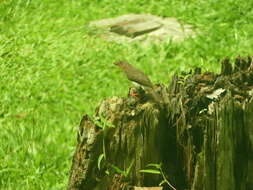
x,y
134,74
137,76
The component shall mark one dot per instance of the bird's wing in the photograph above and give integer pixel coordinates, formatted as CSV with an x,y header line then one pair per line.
x,y
139,77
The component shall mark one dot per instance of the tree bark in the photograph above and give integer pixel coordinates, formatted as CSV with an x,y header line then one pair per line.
x,y
202,134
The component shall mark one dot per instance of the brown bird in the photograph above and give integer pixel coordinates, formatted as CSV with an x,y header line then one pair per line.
x,y
135,75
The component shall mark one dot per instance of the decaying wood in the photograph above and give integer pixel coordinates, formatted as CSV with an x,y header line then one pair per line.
x,y
202,135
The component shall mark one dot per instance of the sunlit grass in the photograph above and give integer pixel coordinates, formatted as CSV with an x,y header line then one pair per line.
x,y
53,72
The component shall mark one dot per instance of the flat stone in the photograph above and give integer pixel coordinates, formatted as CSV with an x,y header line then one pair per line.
x,y
136,29
143,27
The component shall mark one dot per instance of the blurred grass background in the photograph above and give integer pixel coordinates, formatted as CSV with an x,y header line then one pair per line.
x,y
52,71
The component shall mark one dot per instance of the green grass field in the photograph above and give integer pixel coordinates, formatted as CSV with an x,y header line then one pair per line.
x,y
52,72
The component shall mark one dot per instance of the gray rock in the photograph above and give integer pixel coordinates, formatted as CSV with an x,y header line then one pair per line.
x,y
142,27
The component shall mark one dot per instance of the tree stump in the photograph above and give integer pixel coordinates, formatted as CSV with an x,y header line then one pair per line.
x,y
202,135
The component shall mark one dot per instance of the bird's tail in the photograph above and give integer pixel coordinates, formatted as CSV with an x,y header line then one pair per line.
x,y
155,95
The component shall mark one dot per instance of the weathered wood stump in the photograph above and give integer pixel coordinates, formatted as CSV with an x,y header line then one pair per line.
x,y
202,135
